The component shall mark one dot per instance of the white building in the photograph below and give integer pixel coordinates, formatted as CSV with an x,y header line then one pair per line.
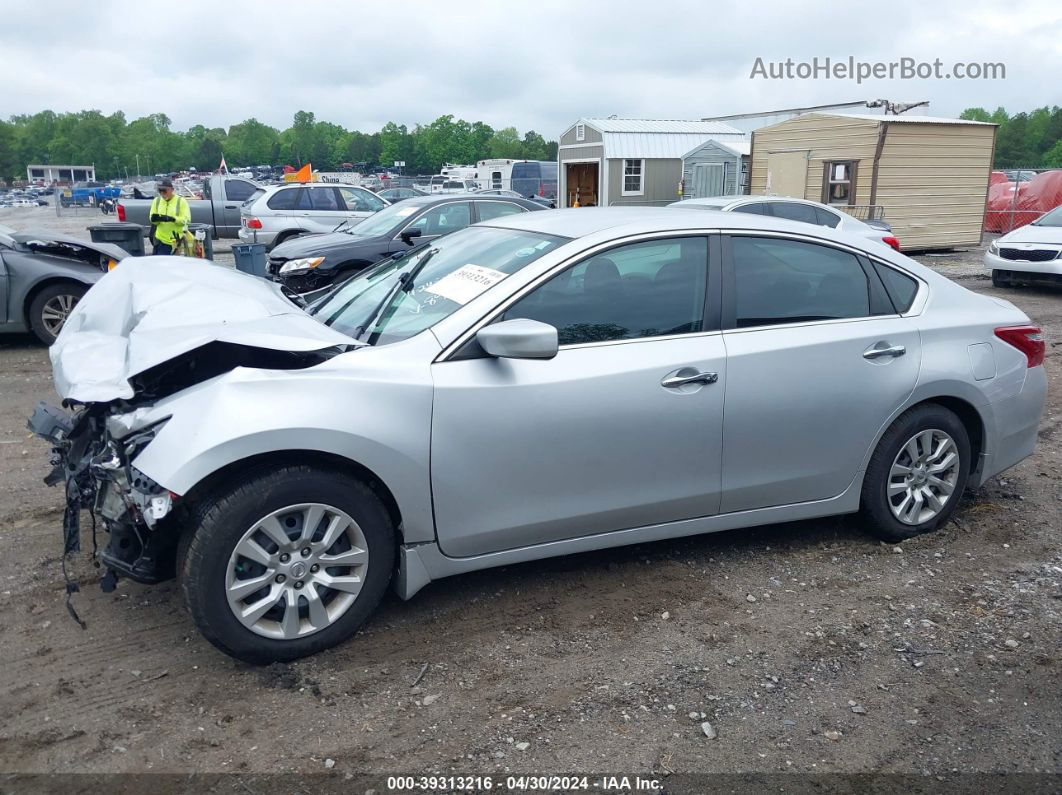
x,y
68,174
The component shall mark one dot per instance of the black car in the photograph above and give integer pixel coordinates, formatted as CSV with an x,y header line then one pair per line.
x,y
398,194
311,262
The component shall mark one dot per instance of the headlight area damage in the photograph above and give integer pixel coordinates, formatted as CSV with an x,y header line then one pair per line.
x,y
136,339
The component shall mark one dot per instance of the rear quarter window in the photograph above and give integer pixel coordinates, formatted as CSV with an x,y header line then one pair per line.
x,y
900,287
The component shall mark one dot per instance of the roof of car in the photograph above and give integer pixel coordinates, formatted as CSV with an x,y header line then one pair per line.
x,y
438,198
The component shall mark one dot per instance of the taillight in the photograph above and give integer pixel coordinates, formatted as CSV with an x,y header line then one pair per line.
x,y
1027,339
254,223
121,212
891,242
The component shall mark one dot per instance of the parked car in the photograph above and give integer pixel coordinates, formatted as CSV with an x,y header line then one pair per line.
x,y
308,264
1031,253
398,194
548,203
220,207
802,210
43,275
545,383
281,212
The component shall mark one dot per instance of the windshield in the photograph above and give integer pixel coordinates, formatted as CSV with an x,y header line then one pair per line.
x,y
1053,218
453,270
383,222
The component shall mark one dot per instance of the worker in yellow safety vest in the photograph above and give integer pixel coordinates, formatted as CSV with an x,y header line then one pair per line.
x,y
169,218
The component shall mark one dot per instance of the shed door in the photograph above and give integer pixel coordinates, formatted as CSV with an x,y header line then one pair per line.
x,y
708,179
787,173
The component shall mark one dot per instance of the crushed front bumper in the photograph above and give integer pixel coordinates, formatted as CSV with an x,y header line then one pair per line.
x,y
98,476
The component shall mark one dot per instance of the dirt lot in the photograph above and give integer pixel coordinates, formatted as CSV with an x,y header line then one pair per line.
x,y
808,647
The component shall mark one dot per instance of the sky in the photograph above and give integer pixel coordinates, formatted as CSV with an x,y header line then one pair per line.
x,y
533,65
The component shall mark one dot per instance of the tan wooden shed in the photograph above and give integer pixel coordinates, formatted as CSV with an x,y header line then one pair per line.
x,y
926,176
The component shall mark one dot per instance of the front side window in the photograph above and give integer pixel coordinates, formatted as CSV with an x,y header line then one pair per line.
x,y
361,201
447,274
488,210
647,289
839,182
632,177
443,220
789,281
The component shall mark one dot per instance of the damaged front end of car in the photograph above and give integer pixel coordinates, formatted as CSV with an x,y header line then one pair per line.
x,y
95,468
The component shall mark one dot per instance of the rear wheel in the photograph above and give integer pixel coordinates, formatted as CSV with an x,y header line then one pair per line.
x,y
287,562
917,474
51,307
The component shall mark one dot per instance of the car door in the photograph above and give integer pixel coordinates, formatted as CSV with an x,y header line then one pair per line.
x,y
817,359
620,430
442,219
319,209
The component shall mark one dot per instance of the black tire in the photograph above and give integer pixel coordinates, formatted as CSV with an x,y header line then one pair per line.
x,y
224,516
44,328
875,505
999,280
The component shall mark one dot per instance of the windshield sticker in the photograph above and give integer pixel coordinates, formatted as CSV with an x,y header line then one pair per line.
x,y
466,283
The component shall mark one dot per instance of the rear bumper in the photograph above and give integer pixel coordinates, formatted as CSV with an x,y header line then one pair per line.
x,y
256,236
1015,426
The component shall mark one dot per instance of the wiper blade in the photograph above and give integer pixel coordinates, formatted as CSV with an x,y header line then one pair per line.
x,y
404,282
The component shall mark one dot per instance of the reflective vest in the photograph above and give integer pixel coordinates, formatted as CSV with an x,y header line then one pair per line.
x,y
169,232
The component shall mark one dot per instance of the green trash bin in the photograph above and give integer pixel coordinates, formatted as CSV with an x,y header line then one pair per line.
x,y
122,234
250,258
203,234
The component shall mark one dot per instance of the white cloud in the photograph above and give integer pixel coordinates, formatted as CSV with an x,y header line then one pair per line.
x,y
534,65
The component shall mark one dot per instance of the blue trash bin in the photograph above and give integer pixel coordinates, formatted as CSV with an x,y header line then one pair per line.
x,y
250,258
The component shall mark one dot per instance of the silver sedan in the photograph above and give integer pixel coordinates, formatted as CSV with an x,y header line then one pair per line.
x,y
547,383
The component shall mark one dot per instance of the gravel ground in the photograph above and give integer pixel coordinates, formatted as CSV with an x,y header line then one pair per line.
x,y
808,647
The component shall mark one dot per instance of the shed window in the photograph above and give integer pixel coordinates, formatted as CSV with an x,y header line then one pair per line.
x,y
839,182
632,177
580,132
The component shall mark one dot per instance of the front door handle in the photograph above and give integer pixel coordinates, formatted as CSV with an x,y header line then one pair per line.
x,y
887,350
675,381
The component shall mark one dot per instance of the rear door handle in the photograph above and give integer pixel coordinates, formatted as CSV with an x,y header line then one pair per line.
x,y
675,381
886,350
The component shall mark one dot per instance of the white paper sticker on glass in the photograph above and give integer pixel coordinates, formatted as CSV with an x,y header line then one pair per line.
x,y
466,283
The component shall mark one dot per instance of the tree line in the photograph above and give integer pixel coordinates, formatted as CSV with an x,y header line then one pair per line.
x,y
1024,140
116,146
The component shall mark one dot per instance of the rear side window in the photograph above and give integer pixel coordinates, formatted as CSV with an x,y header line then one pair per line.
x,y
283,199
900,287
789,281
488,210
795,212
756,208
238,191
826,218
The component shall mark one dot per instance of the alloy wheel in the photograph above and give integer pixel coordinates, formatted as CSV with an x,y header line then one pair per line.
x,y
296,571
55,312
923,476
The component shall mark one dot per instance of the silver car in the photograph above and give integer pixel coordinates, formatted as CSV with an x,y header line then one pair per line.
x,y
551,382
802,210
280,212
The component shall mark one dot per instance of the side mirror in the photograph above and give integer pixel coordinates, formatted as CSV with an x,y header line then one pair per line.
x,y
519,339
409,234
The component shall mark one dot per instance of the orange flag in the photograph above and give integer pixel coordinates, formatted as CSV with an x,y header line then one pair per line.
x,y
304,174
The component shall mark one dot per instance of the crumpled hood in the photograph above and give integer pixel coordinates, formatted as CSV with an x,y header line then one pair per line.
x,y
32,238
149,310
315,245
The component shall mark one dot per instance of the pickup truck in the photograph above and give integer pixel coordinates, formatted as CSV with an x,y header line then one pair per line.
x,y
220,209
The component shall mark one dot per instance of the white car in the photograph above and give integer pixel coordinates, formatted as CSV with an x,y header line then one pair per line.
x,y
278,213
808,212
1029,253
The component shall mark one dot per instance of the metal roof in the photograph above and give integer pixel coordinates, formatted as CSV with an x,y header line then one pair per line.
x,y
658,126
907,119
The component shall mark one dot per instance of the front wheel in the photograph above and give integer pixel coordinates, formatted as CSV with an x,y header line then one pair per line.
x,y
51,307
999,279
917,474
286,562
